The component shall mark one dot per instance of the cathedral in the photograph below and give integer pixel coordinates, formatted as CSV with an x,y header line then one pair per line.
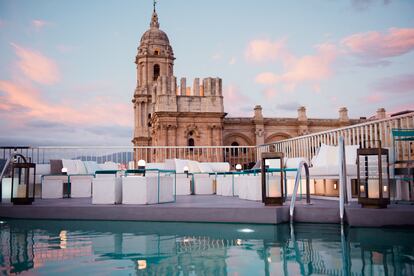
x,y
168,113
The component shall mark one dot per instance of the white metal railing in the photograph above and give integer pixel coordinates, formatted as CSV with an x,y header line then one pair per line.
x,y
366,134
303,146
244,155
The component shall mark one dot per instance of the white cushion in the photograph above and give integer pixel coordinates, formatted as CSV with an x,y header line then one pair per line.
x,y
220,166
108,166
106,190
52,188
81,169
183,184
225,185
193,166
70,165
203,184
332,170
205,167
91,167
351,154
169,164
179,165
144,190
152,166
81,186
42,169
293,163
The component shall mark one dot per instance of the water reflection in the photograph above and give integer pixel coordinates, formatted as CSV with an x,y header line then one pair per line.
x,y
69,247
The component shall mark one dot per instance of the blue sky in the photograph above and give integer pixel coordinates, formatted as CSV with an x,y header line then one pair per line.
x,y
67,71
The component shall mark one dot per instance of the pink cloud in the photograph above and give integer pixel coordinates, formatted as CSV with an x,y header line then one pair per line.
x,y
307,69
94,111
379,45
270,93
373,98
235,103
267,78
396,84
36,66
261,50
39,24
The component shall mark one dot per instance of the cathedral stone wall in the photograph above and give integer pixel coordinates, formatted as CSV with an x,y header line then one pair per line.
x,y
167,113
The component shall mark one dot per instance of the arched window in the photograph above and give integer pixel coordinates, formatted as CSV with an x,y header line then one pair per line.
x,y
157,52
156,71
191,142
235,152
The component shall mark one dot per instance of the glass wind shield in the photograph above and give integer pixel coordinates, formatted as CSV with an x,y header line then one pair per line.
x,y
273,184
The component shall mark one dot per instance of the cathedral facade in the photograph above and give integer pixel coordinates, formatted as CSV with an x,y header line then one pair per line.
x,y
169,113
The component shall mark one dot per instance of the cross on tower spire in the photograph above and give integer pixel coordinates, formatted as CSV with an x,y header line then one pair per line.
x,y
154,19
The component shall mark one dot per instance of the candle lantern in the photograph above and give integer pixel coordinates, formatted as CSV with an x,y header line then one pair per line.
x,y
23,188
373,177
272,178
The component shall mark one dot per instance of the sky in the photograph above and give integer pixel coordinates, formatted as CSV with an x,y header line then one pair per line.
x,y
67,72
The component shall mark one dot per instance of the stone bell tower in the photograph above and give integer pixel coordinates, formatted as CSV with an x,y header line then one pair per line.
x,y
155,60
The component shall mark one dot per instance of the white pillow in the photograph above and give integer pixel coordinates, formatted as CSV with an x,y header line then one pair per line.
x,y
108,166
293,163
220,166
205,168
159,166
180,164
169,164
193,166
351,154
70,165
42,169
327,156
80,167
91,166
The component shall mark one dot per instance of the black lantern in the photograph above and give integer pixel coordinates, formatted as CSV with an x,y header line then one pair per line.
x,y
23,190
272,178
373,177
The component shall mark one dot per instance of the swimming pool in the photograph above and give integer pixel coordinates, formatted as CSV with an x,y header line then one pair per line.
x,y
160,248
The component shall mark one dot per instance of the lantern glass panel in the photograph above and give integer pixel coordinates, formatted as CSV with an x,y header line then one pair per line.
x,y
273,185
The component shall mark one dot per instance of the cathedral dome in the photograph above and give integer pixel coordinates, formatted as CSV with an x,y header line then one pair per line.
x,y
155,41
155,35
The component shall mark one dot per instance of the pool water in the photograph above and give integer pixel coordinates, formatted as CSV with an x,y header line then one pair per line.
x,y
156,248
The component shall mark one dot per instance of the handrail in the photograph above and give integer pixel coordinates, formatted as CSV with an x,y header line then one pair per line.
x,y
342,179
341,128
295,189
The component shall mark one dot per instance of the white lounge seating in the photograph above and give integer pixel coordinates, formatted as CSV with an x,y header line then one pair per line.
x,y
203,184
52,186
81,186
183,183
325,169
106,189
147,190
225,185
80,181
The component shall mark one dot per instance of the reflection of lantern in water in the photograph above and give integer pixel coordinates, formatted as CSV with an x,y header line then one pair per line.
x,y
63,239
21,251
142,264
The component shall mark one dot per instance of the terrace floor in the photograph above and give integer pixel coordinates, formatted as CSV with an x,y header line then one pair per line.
x,y
212,208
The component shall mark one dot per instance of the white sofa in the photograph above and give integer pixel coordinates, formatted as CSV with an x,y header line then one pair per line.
x,y
325,168
106,189
147,190
225,185
52,186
